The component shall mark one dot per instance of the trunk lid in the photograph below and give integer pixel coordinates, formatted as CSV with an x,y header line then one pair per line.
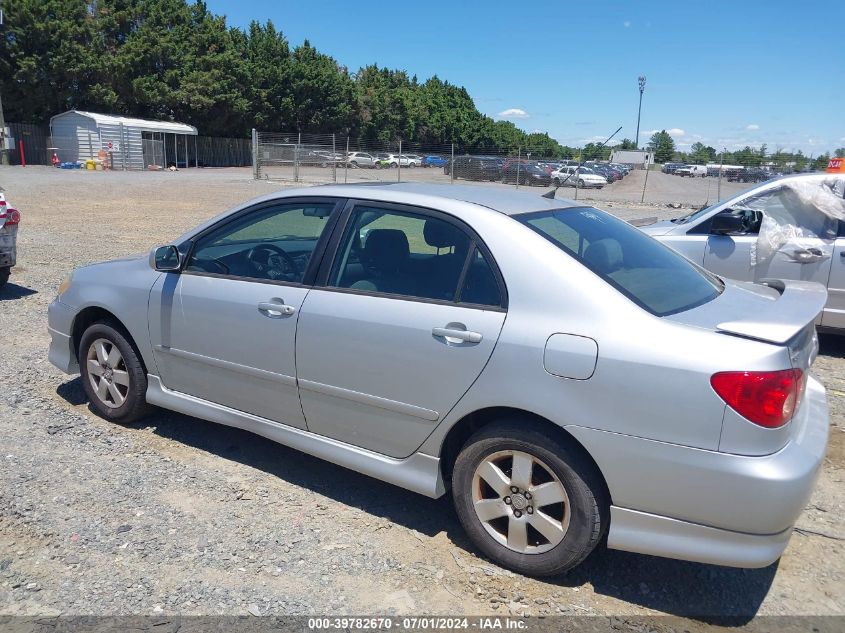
x,y
774,311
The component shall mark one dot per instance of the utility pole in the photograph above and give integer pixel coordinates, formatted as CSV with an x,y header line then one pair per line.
x,y
641,80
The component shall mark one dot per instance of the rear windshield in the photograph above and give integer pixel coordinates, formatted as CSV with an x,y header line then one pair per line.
x,y
650,274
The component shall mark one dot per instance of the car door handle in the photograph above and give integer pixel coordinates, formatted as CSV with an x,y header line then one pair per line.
x,y
461,335
275,310
807,255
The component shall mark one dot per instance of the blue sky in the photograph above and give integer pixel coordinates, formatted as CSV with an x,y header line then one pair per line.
x,y
728,74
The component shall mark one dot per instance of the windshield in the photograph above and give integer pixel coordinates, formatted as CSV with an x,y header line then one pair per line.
x,y
690,217
650,274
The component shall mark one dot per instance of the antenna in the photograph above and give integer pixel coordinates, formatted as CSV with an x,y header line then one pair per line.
x,y
551,194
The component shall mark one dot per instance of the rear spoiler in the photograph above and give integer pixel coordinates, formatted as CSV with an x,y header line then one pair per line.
x,y
799,304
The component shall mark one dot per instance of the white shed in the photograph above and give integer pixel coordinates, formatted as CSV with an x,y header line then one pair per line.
x,y
128,143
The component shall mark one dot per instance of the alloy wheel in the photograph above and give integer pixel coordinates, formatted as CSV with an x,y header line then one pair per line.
x,y
520,502
107,373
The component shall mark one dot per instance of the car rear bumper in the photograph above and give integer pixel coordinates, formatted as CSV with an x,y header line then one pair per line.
x,y
8,248
705,505
59,325
646,533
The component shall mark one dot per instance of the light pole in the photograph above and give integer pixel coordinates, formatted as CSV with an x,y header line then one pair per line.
x,y
641,80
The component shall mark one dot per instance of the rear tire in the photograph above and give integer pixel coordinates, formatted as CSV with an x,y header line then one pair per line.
x,y
4,275
113,375
559,511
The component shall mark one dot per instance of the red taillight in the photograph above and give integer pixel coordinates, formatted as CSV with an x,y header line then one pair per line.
x,y
767,398
10,216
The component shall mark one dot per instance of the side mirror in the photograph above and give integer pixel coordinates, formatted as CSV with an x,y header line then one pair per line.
x,y
166,259
726,222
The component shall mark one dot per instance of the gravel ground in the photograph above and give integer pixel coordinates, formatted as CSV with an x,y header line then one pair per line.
x,y
176,515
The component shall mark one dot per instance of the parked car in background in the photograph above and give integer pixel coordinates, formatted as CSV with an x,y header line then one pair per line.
x,y
474,168
393,161
530,354
526,174
609,174
775,230
581,177
750,174
10,218
621,167
312,157
414,160
692,171
671,168
361,160
433,160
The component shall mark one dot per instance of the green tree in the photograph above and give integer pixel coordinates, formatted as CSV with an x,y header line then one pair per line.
x,y
627,144
821,162
662,145
702,154
840,152
47,62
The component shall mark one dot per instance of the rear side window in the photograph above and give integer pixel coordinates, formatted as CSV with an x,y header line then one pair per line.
x,y
650,274
413,255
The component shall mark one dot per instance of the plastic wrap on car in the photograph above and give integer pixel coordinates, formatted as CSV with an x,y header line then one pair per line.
x,y
807,218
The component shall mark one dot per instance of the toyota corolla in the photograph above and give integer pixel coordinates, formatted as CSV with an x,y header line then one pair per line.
x,y
565,375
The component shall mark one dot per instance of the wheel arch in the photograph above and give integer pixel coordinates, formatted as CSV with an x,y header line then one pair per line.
x,y
460,432
96,313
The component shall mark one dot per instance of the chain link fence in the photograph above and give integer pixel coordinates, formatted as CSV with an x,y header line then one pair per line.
x,y
312,159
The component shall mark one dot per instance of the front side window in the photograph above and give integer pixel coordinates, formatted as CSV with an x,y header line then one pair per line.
x,y
412,255
650,274
273,243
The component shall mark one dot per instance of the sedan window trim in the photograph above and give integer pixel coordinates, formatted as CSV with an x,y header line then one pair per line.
x,y
414,299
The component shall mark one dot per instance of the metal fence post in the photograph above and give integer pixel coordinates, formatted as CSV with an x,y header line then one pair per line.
x,y
399,164
296,157
452,167
256,173
721,163
346,162
122,148
334,160
518,164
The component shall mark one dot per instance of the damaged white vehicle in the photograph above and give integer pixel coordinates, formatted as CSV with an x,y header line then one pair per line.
x,y
789,228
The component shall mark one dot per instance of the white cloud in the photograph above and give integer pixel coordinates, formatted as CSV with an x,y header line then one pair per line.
x,y
513,113
626,23
752,126
672,131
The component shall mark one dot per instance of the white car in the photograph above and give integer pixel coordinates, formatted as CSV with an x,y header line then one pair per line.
x,y
398,160
581,177
360,159
693,171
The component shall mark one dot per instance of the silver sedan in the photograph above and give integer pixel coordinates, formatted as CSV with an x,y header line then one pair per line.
x,y
565,375
788,228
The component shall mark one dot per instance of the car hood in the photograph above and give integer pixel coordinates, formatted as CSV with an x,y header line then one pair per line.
x,y
144,257
655,228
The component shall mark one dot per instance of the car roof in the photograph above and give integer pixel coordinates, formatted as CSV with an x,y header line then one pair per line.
x,y
506,201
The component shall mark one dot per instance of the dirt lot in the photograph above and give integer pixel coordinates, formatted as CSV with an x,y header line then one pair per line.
x,y
177,515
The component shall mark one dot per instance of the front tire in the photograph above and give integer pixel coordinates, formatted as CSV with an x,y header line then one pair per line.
x,y
527,500
113,375
4,275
